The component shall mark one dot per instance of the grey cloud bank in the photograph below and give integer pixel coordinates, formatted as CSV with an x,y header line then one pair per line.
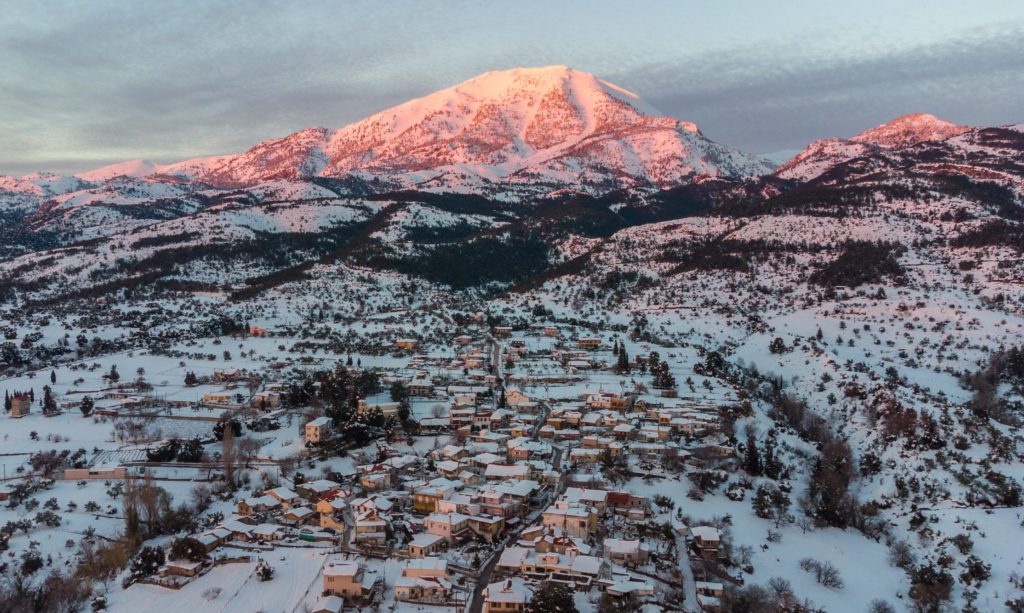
x,y
83,85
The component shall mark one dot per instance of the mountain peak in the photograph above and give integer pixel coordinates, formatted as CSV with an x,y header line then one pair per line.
x,y
544,125
910,130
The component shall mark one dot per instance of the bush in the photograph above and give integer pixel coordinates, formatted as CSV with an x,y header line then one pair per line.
x,y
824,573
902,556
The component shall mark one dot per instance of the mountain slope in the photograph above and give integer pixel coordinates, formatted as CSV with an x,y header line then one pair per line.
x,y
900,133
552,125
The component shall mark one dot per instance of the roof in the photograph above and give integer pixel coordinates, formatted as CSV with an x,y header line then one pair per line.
x,y
320,422
320,485
329,604
428,563
341,569
513,590
622,545
282,493
706,533
424,539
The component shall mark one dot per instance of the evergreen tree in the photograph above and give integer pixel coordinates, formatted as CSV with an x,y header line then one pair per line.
x,y
770,464
552,598
49,405
87,406
191,379
113,375
623,363
7,402
751,458
218,428
53,376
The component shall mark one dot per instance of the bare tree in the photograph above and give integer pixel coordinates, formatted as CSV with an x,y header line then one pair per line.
x,y
248,448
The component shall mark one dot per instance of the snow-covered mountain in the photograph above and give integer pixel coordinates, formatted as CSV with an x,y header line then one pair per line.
x,y
552,125
900,133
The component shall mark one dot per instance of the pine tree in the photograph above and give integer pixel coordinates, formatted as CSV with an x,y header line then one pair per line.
x,y
752,459
53,376
7,402
623,363
769,462
87,406
113,375
552,598
49,405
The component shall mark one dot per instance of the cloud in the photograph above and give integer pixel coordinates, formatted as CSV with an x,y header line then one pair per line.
x,y
93,83
766,99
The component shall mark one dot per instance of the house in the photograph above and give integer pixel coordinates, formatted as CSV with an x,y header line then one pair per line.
x,y
350,580
230,374
707,540
405,344
99,471
258,504
421,387
267,532
329,604
450,526
709,595
488,527
375,478
425,498
370,528
212,539
423,579
621,586
448,468
508,596
315,490
502,472
426,567
374,503
572,566
21,405
630,505
544,539
269,400
239,530
575,519
419,589
389,409
284,495
181,568
627,552
588,342
318,429
297,516
333,502
514,397
424,544
219,398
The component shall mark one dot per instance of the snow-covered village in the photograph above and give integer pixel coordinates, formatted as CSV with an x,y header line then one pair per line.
x,y
512,339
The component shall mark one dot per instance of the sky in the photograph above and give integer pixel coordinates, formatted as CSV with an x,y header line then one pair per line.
x,y
84,84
